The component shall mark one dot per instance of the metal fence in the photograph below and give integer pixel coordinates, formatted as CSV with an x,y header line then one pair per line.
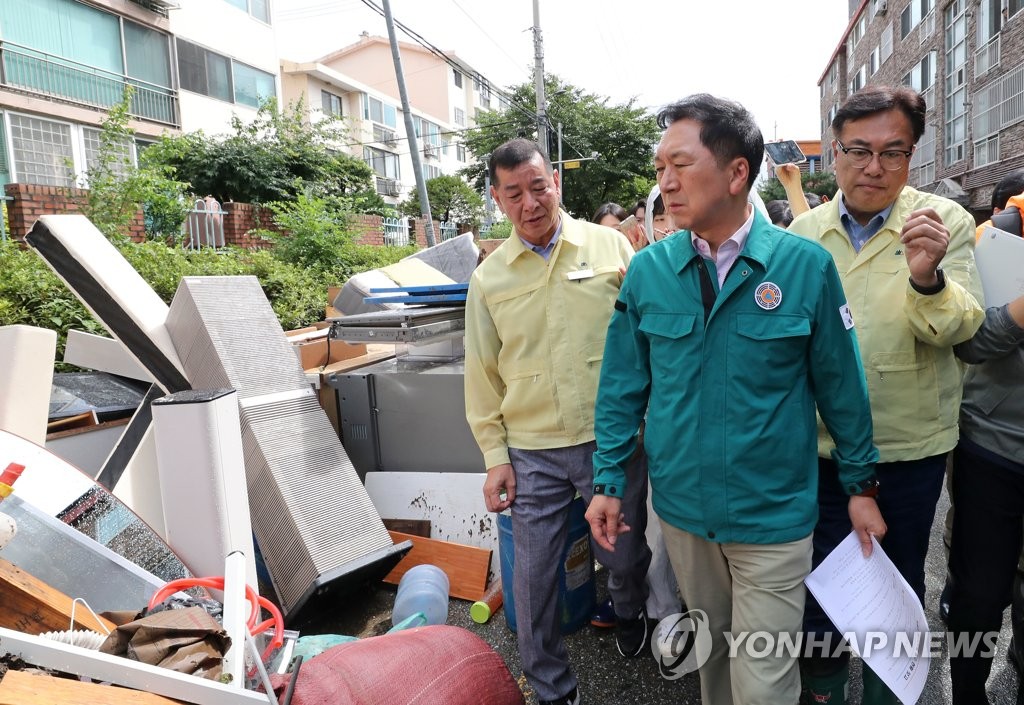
x,y
396,231
448,231
204,226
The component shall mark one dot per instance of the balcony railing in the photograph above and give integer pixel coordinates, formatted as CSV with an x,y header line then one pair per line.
x,y
987,57
33,71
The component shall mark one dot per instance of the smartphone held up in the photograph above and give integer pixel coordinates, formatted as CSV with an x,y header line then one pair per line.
x,y
630,227
785,152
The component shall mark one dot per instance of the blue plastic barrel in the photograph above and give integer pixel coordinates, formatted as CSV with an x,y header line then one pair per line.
x,y
576,589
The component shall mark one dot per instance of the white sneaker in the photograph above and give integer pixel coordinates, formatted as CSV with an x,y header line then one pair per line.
x,y
668,636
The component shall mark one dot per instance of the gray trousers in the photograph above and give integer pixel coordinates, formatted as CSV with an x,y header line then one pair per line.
x,y
546,483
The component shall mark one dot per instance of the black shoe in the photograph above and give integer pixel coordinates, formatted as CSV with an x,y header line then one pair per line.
x,y
631,634
944,603
573,698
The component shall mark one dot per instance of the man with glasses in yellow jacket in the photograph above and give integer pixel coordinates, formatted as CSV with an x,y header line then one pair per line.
x,y
906,260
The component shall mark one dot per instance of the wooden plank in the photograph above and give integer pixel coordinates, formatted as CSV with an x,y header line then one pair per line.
x,y
415,527
19,688
33,607
466,566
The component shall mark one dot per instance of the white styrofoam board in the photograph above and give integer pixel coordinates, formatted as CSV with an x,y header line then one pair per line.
x,y
96,352
26,358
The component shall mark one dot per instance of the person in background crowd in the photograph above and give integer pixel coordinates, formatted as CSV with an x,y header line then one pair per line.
x,y
988,493
730,439
609,214
907,265
536,317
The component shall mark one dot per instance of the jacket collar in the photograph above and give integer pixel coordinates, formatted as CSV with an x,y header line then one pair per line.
x,y
758,247
571,232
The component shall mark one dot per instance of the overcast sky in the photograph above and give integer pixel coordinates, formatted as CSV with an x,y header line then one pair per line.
x,y
767,54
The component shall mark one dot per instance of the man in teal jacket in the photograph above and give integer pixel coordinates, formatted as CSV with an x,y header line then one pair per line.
x,y
726,335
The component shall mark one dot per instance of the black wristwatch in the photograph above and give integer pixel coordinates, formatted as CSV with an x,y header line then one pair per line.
x,y
934,288
864,488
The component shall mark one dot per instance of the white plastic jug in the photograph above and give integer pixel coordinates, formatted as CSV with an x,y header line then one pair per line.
x,y
423,589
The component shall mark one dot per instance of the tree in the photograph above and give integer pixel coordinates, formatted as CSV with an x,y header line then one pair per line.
x,y
822,183
451,199
117,188
623,136
273,158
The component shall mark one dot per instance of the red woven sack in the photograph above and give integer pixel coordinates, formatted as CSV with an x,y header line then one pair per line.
x,y
437,665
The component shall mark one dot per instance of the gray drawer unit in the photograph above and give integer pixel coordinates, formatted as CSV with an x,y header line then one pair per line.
x,y
404,415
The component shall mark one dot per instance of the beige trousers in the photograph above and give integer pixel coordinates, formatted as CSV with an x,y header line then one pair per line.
x,y
744,588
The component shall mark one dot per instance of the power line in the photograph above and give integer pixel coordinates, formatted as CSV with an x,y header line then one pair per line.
x,y
493,41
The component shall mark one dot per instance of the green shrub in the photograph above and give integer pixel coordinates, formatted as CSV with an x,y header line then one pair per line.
x,y
500,230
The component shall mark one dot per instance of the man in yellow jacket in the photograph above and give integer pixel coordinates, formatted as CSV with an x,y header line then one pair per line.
x,y
906,260
536,317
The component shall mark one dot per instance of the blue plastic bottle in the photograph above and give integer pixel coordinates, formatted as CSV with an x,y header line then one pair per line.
x,y
423,589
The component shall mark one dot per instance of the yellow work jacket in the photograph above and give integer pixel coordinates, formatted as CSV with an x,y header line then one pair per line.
x,y
906,339
535,334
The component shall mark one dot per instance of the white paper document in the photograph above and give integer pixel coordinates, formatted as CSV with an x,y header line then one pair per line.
x,y
875,608
1000,259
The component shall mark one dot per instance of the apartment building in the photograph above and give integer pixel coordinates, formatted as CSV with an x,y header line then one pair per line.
x,y
967,58
192,64
358,82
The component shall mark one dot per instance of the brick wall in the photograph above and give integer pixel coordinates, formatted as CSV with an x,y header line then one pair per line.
x,y
33,200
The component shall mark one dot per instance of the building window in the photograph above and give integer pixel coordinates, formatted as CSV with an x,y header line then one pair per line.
x,y
460,152
252,86
331,104
457,77
203,71
885,44
260,9
460,117
383,163
955,23
431,172
874,62
42,149
986,151
92,144
999,104
217,76
379,112
483,91
860,79
922,76
912,15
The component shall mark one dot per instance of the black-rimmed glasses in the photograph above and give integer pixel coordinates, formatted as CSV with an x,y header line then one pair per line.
x,y
890,159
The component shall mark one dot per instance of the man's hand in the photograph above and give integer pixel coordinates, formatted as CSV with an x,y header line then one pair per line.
x,y
867,521
501,480
606,520
926,238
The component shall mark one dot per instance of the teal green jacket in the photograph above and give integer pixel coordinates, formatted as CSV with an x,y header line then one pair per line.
x,y
731,431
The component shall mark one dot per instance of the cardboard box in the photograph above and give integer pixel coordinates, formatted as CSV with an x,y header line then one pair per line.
x,y
314,350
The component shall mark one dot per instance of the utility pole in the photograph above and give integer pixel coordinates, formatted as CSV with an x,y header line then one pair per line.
x,y
538,80
561,175
489,208
414,147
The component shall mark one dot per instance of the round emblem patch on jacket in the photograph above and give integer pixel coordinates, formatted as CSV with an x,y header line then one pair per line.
x,y
768,296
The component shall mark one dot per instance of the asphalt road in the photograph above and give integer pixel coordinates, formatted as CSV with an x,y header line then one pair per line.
x,y
608,679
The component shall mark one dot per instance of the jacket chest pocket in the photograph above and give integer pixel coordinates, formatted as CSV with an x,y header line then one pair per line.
x,y
669,336
770,349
